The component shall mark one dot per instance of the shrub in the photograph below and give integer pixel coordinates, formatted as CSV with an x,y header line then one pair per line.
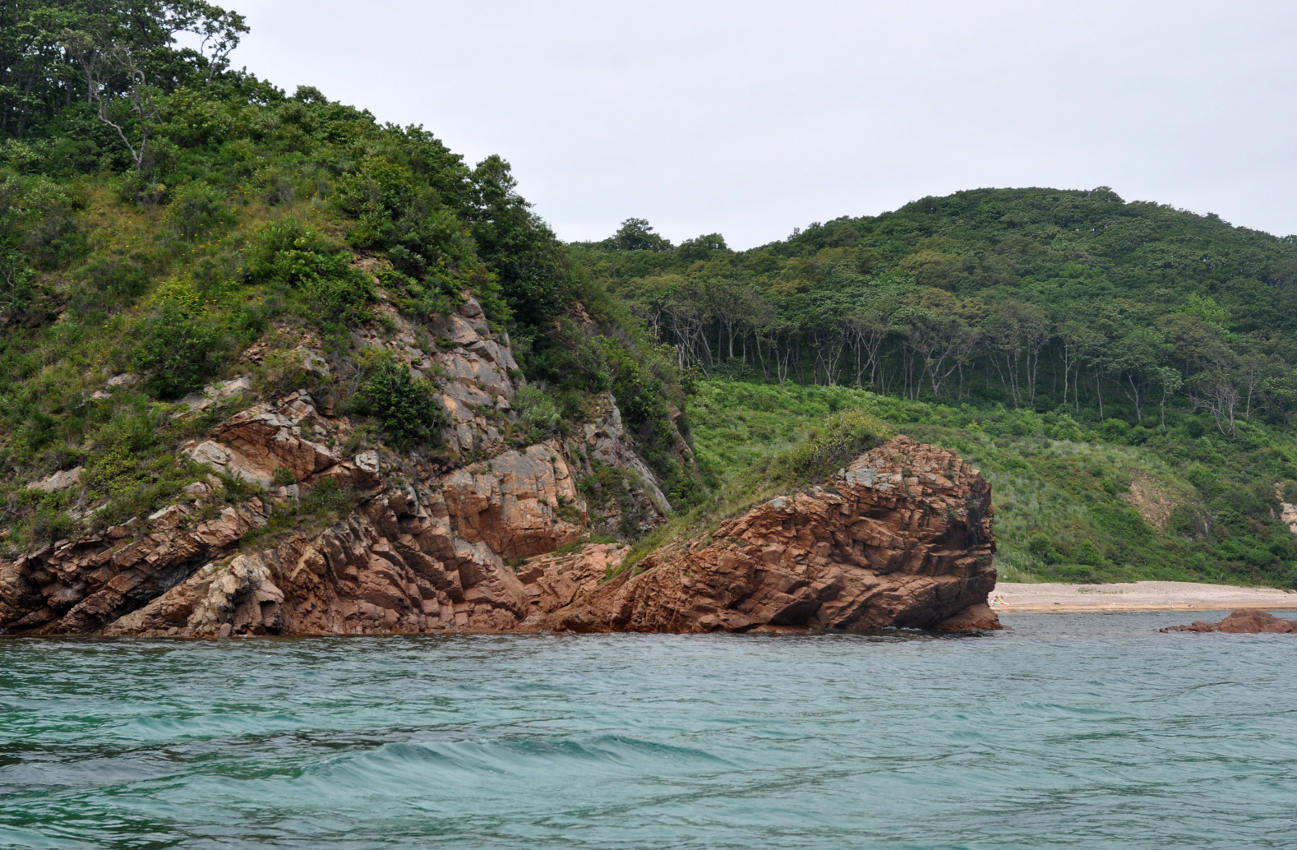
x,y
844,436
289,254
406,407
196,209
537,413
1042,549
52,234
177,351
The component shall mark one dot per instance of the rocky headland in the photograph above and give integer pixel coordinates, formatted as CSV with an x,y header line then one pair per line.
x,y
493,540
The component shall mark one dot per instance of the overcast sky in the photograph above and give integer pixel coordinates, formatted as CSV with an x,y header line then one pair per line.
x,y
752,118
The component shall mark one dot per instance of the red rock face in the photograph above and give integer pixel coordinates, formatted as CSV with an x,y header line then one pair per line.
x,y
901,537
1242,621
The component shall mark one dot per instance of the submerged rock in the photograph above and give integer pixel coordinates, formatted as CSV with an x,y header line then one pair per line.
x,y
1242,621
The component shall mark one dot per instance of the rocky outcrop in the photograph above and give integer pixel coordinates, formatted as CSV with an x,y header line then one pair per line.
x,y
1242,621
490,540
901,537
425,548
82,586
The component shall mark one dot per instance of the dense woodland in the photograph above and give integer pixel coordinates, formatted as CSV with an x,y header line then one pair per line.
x,y
1124,372
1127,370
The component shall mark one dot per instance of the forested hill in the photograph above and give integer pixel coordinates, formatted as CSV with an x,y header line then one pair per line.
x,y
1124,373
1035,298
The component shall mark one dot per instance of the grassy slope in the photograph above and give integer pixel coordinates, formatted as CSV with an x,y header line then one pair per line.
x,y
1062,490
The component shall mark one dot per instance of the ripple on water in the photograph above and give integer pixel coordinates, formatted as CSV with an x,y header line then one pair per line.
x,y
1070,729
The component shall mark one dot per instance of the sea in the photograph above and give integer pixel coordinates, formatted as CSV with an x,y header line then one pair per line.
x,y
1069,730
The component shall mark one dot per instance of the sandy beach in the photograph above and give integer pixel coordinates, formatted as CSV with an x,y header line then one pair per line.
x,y
1011,597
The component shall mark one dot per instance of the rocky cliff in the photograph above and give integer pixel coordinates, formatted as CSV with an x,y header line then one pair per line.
x,y
409,545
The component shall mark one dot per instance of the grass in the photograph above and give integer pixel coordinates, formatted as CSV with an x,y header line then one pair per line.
x,y
821,449
1062,489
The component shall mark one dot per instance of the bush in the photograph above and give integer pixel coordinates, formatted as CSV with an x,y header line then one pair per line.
x,y
289,254
52,234
844,436
178,352
406,407
1042,549
537,413
196,209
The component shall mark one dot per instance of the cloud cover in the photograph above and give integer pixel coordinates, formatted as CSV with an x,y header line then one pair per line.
x,y
753,118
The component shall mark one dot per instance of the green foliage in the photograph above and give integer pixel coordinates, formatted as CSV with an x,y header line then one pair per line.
x,y
196,209
636,234
1066,508
1033,298
537,413
318,506
177,350
288,254
614,489
844,436
406,407
52,235
229,218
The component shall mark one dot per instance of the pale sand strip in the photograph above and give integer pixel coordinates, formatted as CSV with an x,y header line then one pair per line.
x,y
1013,597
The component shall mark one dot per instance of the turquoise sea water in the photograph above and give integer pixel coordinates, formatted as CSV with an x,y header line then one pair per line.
x,y
1071,730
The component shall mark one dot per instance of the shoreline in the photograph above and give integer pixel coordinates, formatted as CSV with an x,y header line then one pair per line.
x,y
1054,597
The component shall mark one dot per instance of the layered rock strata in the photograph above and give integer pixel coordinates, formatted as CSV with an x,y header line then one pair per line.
x,y
426,547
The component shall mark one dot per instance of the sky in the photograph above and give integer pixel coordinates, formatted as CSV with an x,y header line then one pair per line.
x,y
752,118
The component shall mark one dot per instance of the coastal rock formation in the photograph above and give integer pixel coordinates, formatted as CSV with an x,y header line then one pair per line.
x,y
417,546
489,539
1242,621
901,537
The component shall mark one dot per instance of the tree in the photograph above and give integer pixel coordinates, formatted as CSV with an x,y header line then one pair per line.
x,y
531,266
1014,334
701,247
1133,358
114,56
636,234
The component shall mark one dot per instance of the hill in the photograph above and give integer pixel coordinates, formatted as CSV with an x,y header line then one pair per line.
x,y
235,321
1130,365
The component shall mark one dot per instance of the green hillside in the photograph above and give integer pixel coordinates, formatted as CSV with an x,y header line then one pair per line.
x,y
1124,372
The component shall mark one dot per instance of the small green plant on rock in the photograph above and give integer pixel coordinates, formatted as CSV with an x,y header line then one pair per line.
x,y
406,407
